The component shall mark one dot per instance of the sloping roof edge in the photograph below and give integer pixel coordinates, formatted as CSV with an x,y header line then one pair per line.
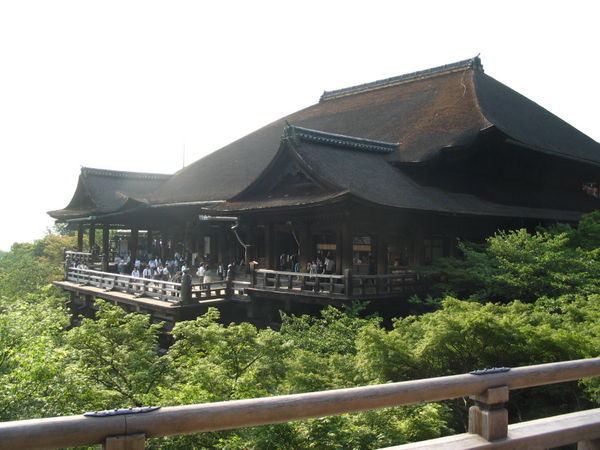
x,y
471,63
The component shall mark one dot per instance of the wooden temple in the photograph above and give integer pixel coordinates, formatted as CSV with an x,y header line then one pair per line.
x,y
377,177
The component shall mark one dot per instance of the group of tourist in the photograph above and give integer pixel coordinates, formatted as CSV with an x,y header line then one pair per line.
x,y
173,269
153,268
291,263
77,263
320,265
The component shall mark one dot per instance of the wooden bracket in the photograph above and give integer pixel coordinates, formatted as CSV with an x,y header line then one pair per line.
x,y
488,418
125,442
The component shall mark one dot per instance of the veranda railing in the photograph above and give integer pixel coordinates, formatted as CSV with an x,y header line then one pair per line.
x,y
488,419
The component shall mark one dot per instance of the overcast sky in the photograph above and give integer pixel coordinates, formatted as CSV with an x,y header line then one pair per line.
x,y
128,85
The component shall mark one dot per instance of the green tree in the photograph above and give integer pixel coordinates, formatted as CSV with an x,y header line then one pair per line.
x,y
116,355
31,362
520,265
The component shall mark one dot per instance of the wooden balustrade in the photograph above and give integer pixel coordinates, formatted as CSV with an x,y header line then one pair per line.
x,y
323,284
159,289
168,291
331,285
334,286
488,425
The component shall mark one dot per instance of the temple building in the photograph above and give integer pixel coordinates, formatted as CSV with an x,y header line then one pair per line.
x,y
378,177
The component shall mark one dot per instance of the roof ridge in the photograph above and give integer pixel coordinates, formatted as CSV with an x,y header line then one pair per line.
x,y
472,63
339,140
123,174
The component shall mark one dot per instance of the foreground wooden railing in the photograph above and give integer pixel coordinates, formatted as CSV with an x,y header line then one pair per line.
x,y
488,424
347,285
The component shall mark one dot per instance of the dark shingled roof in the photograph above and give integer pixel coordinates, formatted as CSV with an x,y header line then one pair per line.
x,y
421,113
102,191
406,119
369,176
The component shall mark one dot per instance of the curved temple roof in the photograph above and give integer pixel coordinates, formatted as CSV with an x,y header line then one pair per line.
x,y
346,171
101,191
405,119
422,113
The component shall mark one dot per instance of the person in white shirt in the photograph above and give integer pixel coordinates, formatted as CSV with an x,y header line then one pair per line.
x,y
135,272
147,273
201,273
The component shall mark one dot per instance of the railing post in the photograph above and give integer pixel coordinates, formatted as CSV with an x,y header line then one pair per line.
x,y
252,275
348,288
277,281
67,263
125,442
186,288
489,418
229,286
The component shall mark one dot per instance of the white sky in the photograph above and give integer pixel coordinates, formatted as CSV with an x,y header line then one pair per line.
x,y
126,85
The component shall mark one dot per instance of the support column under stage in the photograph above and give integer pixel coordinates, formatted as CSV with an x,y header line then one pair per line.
x,y
105,247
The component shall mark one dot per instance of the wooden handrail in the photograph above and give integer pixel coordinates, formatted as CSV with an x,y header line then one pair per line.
x,y
80,430
299,274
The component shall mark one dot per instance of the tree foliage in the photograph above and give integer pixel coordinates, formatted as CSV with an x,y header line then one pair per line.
x,y
530,298
552,262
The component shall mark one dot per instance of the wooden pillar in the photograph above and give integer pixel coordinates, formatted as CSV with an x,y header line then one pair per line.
x,y
488,418
250,241
187,239
306,246
221,241
149,241
105,247
134,244
348,283
92,237
269,247
380,246
339,244
164,250
186,288
347,237
417,246
80,237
